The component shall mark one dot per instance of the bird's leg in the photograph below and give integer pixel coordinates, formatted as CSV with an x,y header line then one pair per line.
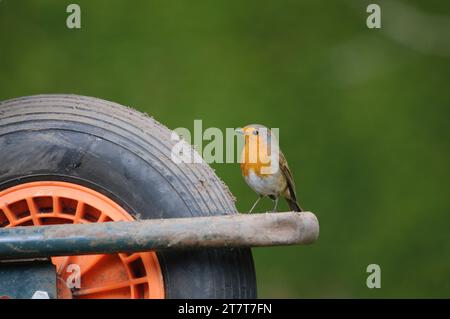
x,y
276,204
254,205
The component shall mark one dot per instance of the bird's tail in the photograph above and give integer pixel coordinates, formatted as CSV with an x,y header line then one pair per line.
x,y
293,205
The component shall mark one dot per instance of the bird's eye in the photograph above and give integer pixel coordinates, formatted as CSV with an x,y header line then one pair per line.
x,y
255,132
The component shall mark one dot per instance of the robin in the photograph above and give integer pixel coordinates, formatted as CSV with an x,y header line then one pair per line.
x,y
265,168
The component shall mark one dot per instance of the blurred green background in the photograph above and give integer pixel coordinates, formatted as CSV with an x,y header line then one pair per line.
x,y
363,114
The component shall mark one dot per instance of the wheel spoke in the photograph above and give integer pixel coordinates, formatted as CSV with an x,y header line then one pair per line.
x,y
131,258
79,212
102,218
23,220
109,287
34,211
56,206
9,215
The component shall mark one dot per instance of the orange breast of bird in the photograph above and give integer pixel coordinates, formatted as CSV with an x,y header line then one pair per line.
x,y
255,156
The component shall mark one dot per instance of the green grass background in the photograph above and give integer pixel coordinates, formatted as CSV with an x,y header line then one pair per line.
x,y
363,116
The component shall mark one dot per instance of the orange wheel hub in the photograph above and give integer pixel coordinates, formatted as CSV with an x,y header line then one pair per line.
x,y
136,275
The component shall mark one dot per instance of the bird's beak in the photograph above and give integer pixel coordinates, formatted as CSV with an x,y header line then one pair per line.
x,y
239,131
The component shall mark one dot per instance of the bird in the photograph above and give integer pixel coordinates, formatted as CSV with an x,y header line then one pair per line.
x,y
260,169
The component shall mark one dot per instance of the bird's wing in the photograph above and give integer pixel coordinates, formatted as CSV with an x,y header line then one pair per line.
x,y
288,175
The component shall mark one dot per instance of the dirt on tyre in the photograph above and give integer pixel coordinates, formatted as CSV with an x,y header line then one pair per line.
x,y
75,159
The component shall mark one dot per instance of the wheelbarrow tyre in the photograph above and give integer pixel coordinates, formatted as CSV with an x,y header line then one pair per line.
x,y
125,155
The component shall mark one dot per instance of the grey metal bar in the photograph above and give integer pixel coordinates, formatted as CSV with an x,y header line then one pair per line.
x,y
242,230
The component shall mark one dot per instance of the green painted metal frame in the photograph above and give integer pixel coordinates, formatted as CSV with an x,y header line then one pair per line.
x,y
241,230
21,279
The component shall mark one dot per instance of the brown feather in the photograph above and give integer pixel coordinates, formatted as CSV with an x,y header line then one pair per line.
x,y
290,194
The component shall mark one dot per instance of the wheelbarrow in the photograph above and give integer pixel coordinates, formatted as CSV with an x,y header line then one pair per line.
x,y
112,216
